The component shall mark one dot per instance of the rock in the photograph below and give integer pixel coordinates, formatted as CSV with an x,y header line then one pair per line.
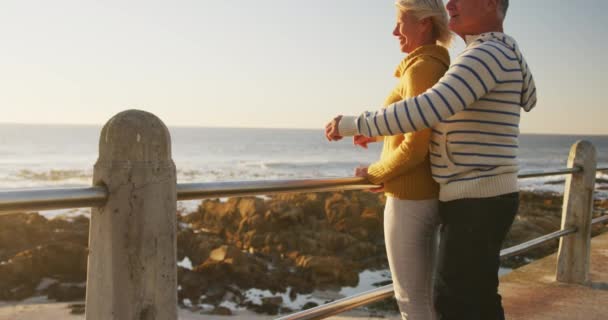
x,y
22,273
277,301
77,308
268,306
329,271
64,292
196,246
192,284
221,311
309,305
250,205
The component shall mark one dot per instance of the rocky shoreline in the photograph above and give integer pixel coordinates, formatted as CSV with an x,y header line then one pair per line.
x,y
288,245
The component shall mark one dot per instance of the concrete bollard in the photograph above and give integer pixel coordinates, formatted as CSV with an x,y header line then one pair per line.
x,y
577,211
132,271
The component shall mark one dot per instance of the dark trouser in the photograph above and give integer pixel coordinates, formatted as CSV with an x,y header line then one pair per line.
x,y
472,233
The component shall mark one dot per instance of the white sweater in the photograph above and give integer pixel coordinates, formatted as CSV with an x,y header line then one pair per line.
x,y
474,111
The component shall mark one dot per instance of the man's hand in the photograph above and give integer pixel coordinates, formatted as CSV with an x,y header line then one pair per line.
x,y
362,172
362,141
331,129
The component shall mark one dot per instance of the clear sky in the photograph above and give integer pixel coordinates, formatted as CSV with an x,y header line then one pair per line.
x,y
266,63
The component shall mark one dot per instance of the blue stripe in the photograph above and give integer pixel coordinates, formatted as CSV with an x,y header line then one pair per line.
x,y
483,133
483,155
485,88
434,143
369,129
436,131
376,122
475,165
506,92
445,177
466,85
532,103
500,101
456,93
456,174
483,122
493,111
397,118
438,166
420,111
528,78
501,51
497,61
504,44
387,125
474,178
491,72
407,111
509,81
530,96
444,100
483,63
484,144
426,96
435,155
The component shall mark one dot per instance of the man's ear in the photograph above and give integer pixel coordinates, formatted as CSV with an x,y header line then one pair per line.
x,y
492,5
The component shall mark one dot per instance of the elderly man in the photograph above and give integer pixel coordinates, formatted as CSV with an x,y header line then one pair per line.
x,y
474,111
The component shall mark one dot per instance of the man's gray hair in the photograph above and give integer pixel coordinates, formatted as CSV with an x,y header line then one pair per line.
x,y
504,6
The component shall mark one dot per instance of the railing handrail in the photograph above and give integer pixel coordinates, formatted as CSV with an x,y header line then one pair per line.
x,y
68,198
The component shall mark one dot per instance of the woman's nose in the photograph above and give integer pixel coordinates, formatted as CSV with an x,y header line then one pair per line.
x,y
396,31
450,5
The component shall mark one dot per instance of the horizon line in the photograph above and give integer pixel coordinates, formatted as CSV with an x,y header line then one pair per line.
x,y
252,128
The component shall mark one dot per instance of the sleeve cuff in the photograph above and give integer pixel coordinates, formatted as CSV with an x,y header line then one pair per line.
x,y
348,126
376,173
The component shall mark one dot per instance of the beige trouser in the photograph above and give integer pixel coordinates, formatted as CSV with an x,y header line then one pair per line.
x,y
410,233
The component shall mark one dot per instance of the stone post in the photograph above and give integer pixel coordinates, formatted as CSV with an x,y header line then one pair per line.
x,y
577,211
132,241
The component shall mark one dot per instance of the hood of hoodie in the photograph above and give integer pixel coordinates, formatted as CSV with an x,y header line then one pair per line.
x,y
528,93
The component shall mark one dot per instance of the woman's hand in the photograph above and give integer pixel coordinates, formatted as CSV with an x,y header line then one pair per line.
x,y
331,129
362,141
362,172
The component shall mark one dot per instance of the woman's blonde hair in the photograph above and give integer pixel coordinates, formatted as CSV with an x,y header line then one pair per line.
x,y
433,9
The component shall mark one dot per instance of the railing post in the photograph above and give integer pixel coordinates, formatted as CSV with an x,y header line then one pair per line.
x,y
132,259
577,211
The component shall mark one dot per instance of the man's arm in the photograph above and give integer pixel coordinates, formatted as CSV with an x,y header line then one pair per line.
x,y
470,77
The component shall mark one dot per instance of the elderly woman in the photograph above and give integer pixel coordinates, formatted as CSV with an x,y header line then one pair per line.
x,y
410,216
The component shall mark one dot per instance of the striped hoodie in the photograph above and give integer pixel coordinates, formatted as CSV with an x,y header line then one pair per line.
x,y
474,111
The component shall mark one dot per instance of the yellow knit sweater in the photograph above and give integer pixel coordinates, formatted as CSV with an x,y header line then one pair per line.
x,y
404,167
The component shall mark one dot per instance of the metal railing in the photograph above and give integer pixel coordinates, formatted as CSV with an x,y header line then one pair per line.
x,y
68,198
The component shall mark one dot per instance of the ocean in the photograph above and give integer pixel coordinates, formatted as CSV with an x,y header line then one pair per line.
x,y
40,156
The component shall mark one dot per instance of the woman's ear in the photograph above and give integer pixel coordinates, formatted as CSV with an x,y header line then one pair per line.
x,y
427,23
